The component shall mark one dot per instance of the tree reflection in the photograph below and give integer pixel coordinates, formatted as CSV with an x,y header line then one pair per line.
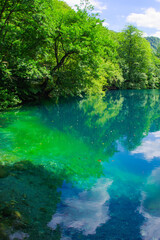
x,y
126,116
77,137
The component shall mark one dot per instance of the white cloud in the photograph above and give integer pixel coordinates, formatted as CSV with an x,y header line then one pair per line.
x,y
105,24
157,34
150,19
99,6
72,3
85,211
150,148
145,34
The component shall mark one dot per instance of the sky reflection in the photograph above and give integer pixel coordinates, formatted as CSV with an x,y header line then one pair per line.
x,y
150,230
150,207
78,142
85,211
150,147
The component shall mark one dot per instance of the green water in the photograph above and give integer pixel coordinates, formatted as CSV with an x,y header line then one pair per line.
x,y
82,169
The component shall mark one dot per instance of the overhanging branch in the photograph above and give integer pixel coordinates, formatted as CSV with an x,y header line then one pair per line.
x,y
59,64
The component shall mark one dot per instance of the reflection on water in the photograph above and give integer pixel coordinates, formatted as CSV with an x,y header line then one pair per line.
x,y
150,206
150,146
84,211
18,235
151,226
76,170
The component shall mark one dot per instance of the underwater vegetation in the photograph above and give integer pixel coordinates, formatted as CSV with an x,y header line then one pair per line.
x,y
28,198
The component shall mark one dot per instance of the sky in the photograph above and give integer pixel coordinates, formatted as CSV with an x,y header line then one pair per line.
x,y
117,14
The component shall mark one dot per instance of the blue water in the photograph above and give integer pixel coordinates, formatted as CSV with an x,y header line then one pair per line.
x,y
89,168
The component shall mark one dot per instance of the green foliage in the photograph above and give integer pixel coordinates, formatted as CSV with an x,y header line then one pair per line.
x,y
136,59
8,99
48,49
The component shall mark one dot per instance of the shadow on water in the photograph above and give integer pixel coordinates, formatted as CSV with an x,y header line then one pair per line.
x,y
28,198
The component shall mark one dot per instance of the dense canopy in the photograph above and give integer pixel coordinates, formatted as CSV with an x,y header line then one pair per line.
x,y
48,49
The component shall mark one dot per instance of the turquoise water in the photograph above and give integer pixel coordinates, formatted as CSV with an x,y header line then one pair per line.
x,y
82,169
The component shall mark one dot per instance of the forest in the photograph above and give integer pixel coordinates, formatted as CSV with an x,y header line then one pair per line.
x,y
49,50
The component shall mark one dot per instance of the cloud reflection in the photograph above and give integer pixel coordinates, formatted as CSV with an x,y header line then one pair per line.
x,y
155,177
150,207
150,230
18,235
150,147
85,211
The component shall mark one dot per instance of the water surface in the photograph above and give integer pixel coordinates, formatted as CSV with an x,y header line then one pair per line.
x,y
82,169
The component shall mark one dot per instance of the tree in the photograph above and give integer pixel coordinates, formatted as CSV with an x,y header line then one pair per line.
x,y
21,36
136,58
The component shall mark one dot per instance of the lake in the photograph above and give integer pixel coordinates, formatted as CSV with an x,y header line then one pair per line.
x,y
82,169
